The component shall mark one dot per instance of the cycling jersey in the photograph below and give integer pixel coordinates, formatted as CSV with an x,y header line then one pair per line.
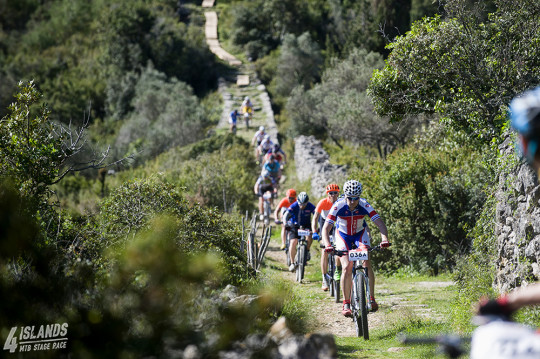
x,y
351,225
323,207
278,156
272,168
284,204
265,184
259,135
301,216
266,145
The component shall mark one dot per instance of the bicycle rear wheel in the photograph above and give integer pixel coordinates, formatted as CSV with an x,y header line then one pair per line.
x,y
363,305
301,263
287,252
337,290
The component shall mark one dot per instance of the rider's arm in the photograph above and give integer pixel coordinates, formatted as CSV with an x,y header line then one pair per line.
x,y
382,228
315,222
326,233
524,296
256,188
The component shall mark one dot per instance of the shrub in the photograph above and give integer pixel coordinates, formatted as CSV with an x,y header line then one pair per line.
x,y
428,200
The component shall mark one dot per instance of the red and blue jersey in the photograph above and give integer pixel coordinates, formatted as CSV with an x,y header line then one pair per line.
x,y
350,223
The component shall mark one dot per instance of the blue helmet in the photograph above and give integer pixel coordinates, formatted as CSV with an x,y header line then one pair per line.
x,y
525,119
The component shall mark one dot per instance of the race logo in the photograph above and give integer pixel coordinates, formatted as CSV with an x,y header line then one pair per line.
x,y
37,338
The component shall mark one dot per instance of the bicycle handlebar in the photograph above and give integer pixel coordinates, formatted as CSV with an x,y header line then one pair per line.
x,y
342,253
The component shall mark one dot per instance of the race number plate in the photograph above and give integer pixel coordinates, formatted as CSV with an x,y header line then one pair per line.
x,y
304,232
358,255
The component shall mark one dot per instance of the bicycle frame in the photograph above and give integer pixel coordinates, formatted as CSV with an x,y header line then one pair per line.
x,y
301,253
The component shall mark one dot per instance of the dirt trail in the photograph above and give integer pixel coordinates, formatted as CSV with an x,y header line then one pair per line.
x,y
328,313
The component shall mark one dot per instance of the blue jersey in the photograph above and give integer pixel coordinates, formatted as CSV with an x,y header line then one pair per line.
x,y
232,119
302,217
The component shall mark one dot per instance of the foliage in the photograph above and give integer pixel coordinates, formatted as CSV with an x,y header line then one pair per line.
x,y
76,50
339,108
428,199
461,67
153,299
299,63
220,172
165,114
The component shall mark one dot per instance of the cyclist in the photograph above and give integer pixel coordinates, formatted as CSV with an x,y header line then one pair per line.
x,y
232,120
281,157
265,146
298,215
282,206
247,108
264,183
321,211
525,119
258,137
273,167
348,215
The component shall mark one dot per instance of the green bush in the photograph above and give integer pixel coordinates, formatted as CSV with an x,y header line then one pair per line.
x,y
428,199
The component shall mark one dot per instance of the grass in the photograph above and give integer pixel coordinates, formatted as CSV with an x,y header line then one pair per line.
x,y
420,307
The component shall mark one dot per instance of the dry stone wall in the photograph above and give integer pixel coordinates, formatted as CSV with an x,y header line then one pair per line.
x,y
313,164
517,225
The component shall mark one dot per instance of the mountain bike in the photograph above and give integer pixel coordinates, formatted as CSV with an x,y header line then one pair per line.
x,y
360,294
333,284
301,253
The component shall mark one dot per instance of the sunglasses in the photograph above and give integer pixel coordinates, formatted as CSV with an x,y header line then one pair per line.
x,y
292,198
352,199
333,193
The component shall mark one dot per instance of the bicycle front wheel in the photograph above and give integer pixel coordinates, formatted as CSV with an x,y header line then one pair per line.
x,y
301,263
330,271
363,313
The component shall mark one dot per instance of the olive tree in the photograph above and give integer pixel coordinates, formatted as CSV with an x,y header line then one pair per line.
x,y
462,67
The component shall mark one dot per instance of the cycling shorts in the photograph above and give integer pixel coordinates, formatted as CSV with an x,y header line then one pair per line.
x,y
345,242
265,187
292,233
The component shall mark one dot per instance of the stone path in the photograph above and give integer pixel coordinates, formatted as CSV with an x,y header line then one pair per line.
x,y
240,82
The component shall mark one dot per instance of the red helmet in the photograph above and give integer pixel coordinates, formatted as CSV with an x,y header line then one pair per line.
x,y
332,188
291,193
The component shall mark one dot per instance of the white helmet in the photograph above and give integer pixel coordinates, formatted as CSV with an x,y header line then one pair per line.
x,y
266,137
247,98
261,128
352,188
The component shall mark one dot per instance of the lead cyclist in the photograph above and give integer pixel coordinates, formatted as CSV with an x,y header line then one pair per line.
x,y
348,215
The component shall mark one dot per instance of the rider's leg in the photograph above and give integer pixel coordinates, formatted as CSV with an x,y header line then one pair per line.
x,y
371,277
324,262
292,249
283,235
260,205
346,278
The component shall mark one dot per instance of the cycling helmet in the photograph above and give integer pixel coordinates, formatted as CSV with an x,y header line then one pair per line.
x,y
261,128
266,137
276,147
525,118
302,198
291,193
246,98
352,188
332,188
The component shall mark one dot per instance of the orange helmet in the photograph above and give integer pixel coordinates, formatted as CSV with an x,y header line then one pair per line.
x,y
291,193
332,188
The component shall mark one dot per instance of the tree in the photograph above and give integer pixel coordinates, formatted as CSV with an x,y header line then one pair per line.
x,y
339,107
461,68
35,152
299,63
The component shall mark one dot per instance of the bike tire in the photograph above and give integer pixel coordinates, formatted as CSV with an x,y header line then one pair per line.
x,y
363,306
337,290
330,271
355,304
301,263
